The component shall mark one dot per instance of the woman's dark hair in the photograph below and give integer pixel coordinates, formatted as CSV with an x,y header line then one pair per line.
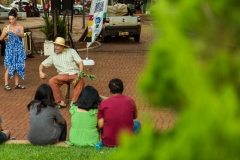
x,y
44,95
13,13
88,99
116,86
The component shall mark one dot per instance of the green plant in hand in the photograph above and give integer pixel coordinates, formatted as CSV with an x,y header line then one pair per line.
x,y
83,74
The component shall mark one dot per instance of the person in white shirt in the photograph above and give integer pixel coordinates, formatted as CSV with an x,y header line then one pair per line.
x,y
68,64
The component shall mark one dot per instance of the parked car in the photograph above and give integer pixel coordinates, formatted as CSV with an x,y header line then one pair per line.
x,y
4,9
40,7
77,9
15,5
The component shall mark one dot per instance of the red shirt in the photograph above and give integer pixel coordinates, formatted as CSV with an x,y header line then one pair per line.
x,y
118,113
27,8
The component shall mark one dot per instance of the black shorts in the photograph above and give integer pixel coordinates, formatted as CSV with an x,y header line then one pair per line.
x,y
3,137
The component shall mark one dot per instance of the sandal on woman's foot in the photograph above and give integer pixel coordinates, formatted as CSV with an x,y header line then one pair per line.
x,y
7,88
18,86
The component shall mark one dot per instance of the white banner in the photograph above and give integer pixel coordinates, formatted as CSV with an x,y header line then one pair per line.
x,y
95,19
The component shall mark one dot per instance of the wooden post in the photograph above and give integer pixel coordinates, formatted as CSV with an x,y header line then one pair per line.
x,y
71,20
55,20
83,16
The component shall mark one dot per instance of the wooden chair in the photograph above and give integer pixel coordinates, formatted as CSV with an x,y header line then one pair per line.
x,y
67,94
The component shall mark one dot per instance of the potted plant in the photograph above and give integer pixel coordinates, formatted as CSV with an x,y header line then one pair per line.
x,y
48,28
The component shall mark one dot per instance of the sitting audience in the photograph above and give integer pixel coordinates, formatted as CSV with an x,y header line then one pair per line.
x,y
84,118
47,125
117,113
4,134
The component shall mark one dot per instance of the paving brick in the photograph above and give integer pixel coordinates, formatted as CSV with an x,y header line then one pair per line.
x,y
121,57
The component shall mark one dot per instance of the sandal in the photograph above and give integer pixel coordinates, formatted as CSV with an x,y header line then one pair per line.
x,y
19,86
7,88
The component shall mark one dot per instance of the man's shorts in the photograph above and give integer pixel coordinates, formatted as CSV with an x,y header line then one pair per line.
x,y
3,137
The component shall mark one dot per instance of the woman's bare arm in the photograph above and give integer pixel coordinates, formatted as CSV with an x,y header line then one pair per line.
x,y
21,34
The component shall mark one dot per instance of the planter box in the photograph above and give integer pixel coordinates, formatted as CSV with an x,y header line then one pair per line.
x,y
21,15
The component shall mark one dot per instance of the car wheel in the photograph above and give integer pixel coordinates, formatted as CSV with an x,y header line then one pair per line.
x,y
76,12
137,38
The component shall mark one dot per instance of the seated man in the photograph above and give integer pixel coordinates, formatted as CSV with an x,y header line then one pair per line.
x,y
117,113
68,64
4,134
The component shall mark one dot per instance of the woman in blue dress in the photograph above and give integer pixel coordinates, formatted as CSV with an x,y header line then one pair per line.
x,y
14,60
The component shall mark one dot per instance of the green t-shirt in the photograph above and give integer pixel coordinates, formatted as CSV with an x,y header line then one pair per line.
x,y
84,128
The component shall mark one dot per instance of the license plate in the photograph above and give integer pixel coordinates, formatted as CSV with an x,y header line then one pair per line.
x,y
123,33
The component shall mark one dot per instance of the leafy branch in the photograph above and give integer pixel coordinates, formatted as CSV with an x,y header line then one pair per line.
x,y
83,74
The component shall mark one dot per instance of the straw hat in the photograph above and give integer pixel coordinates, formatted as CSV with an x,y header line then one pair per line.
x,y
60,41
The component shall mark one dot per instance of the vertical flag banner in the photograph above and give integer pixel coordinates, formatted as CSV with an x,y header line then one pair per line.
x,y
95,19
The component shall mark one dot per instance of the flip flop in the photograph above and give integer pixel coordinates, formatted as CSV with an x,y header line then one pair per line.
x,y
19,86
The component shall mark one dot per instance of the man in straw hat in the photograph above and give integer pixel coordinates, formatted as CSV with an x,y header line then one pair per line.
x,y
68,64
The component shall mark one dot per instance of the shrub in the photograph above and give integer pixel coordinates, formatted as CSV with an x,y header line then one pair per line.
x,y
193,66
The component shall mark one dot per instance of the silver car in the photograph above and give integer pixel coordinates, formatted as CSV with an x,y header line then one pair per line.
x,y
77,9
4,9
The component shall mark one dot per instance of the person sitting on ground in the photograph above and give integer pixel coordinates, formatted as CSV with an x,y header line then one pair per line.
x,y
47,125
4,134
69,64
84,120
117,113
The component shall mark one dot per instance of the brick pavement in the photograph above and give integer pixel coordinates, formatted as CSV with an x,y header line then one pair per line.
x,y
121,57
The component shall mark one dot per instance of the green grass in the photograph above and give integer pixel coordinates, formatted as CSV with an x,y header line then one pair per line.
x,y
29,151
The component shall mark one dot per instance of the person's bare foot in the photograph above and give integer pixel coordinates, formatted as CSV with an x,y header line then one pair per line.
x,y
62,105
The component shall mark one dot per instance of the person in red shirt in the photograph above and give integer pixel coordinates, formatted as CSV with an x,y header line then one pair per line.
x,y
27,10
117,113
48,6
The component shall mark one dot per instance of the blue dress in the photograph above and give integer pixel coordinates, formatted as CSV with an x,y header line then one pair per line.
x,y
15,55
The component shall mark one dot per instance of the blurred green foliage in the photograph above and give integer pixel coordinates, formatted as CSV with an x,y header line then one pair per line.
x,y
193,67
48,28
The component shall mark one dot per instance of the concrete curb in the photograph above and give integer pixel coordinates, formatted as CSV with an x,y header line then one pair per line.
x,y
27,142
